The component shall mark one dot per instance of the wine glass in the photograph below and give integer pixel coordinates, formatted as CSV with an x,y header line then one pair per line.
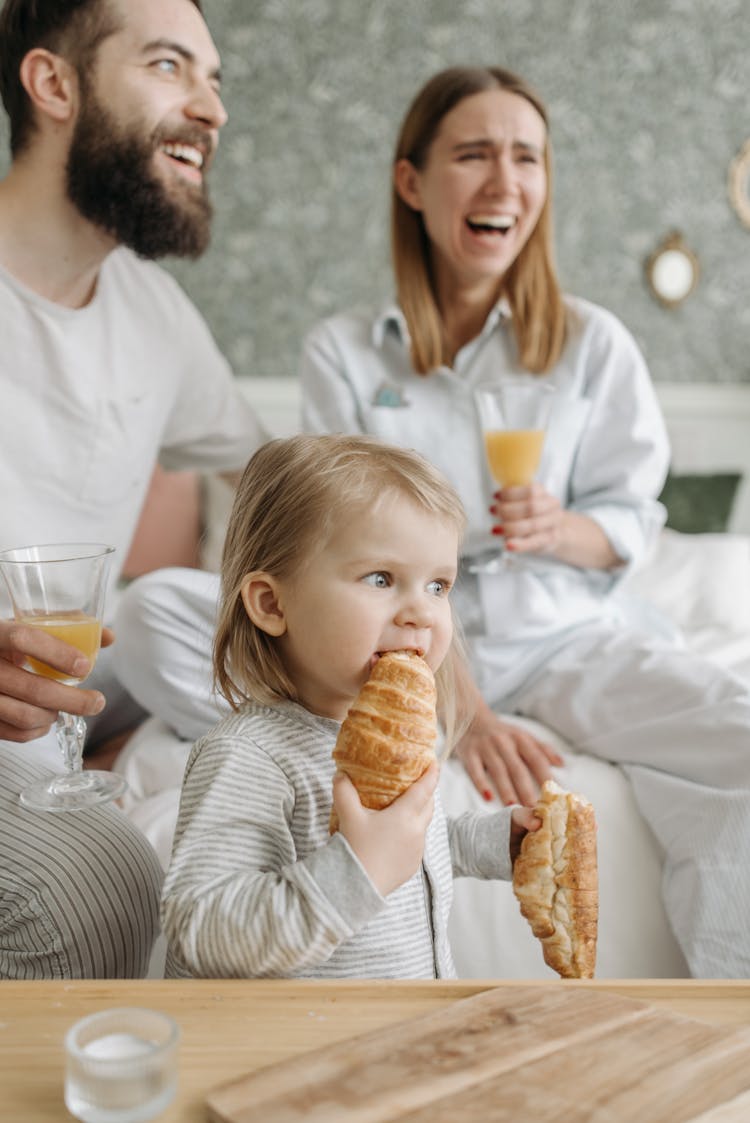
x,y
60,589
513,414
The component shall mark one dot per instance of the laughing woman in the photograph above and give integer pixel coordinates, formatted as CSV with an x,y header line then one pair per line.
x,y
478,302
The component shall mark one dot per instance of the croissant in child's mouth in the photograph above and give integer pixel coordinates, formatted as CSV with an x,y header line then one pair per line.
x,y
387,740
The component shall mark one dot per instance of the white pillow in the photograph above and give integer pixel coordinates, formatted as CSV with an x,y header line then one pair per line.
x,y
697,580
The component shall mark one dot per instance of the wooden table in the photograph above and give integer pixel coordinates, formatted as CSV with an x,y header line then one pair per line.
x,y
230,1028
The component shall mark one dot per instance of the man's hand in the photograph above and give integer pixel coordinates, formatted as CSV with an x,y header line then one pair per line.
x,y
30,703
505,756
388,843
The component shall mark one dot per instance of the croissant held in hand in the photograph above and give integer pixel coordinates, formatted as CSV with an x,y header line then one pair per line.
x,y
555,880
387,740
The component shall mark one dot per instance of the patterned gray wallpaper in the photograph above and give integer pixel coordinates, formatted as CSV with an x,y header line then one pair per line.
x,y
649,103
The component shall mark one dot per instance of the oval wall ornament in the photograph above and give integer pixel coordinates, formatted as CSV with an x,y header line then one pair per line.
x,y
672,271
739,184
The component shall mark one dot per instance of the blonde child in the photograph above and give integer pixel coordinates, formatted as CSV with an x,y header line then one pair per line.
x,y
338,549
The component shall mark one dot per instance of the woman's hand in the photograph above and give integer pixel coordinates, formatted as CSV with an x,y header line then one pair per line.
x,y
498,754
529,518
388,843
30,703
533,522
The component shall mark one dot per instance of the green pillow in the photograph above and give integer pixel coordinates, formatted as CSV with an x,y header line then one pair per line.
x,y
700,504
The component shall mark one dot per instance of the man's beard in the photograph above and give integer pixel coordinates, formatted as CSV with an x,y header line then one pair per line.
x,y
110,180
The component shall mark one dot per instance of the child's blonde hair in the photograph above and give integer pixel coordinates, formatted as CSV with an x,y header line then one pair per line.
x,y
293,494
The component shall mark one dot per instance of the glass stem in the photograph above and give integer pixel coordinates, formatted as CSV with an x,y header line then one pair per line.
x,y
71,732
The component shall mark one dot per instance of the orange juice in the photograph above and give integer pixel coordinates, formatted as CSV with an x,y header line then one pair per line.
x,y
514,455
75,628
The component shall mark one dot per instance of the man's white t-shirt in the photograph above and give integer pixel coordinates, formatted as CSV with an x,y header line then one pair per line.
x,y
90,398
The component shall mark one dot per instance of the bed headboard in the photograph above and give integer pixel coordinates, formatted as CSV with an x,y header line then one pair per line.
x,y
708,423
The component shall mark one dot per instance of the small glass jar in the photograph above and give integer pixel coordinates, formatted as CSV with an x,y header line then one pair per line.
x,y
121,1065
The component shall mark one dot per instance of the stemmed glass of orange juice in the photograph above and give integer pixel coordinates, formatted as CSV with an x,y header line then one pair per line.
x,y
61,589
513,413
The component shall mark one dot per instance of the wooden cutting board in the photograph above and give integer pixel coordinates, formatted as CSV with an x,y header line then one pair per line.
x,y
508,1054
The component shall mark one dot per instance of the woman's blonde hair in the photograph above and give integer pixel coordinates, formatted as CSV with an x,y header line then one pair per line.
x,y
530,284
295,492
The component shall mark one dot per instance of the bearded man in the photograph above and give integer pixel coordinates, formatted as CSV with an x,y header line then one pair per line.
x,y
114,110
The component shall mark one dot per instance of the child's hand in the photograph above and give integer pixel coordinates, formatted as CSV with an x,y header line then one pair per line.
x,y
522,820
388,843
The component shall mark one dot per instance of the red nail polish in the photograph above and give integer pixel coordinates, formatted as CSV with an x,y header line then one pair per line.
x,y
497,530
487,795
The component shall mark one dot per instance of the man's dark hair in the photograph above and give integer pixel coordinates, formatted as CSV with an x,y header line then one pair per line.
x,y
72,28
